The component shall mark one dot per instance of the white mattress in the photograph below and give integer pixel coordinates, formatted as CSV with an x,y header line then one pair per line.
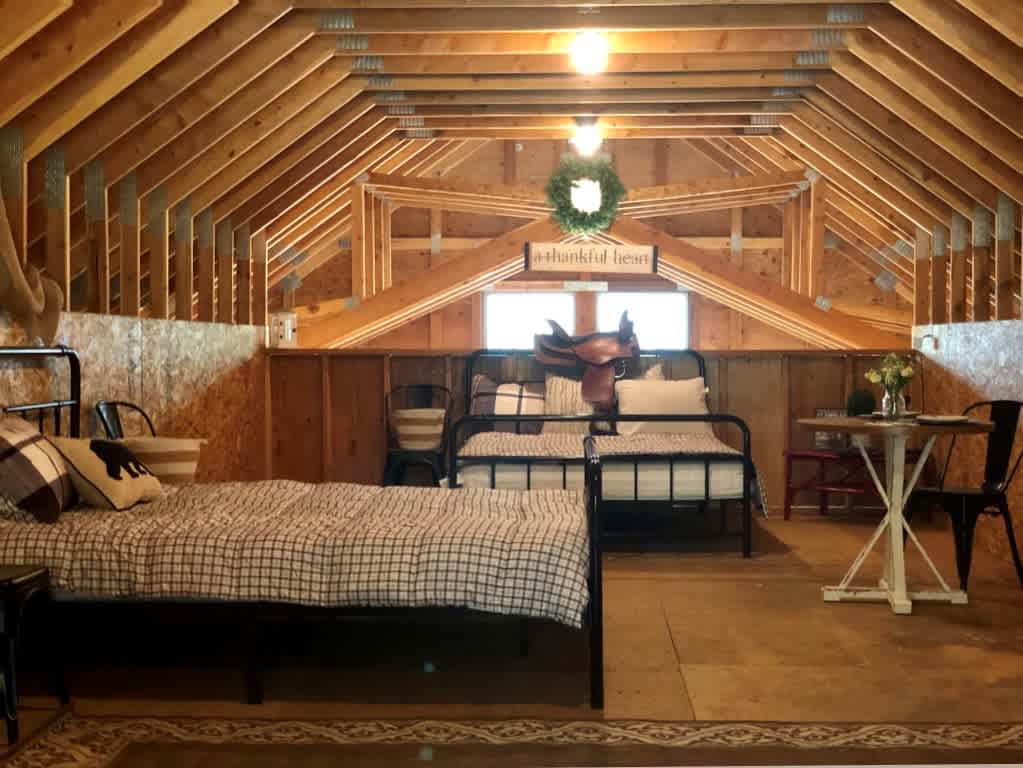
x,y
653,480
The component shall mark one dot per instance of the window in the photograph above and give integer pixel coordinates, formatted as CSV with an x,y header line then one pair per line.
x,y
511,319
661,320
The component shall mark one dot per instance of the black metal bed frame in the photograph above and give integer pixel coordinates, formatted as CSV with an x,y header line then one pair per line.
x,y
255,615
617,509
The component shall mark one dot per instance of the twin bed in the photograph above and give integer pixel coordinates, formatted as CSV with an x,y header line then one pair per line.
x,y
335,549
658,474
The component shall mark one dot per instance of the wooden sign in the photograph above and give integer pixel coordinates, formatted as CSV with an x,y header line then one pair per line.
x,y
591,257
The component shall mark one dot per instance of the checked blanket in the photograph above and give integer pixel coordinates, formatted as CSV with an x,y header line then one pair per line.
x,y
332,544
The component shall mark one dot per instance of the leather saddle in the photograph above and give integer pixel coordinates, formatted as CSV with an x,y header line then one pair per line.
x,y
600,356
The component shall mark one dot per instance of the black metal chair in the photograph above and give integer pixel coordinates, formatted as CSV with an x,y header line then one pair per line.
x,y
399,458
109,413
965,505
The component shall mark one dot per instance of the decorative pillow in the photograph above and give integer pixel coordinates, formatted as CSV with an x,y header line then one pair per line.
x,y
173,460
564,397
106,474
683,396
33,475
492,399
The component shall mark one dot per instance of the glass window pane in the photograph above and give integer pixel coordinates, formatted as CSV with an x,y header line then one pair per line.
x,y
511,320
660,320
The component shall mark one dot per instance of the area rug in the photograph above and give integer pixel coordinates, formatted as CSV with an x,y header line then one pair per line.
x,y
89,742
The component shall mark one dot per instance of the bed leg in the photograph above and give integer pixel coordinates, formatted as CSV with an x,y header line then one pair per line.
x,y
254,666
596,660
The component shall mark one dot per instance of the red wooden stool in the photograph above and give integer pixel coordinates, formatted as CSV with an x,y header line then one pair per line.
x,y
853,480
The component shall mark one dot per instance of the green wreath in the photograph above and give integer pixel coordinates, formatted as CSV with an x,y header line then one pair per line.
x,y
559,195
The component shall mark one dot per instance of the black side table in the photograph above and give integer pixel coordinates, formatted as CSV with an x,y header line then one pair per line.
x,y
19,584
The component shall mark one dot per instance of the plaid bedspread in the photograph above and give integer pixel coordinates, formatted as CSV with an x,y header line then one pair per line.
x,y
571,446
337,544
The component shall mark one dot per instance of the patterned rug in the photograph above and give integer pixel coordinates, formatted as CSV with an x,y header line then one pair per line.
x,y
80,742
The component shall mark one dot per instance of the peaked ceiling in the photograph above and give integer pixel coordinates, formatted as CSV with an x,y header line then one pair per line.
x,y
140,140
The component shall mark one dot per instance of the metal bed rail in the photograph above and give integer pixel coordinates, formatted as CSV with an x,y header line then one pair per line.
x,y
456,461
72,403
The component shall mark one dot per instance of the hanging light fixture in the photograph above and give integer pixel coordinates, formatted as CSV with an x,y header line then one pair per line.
x,y
589,53
587,139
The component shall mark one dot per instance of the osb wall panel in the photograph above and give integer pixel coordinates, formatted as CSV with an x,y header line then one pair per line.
x,y
967,363
715,327
193,379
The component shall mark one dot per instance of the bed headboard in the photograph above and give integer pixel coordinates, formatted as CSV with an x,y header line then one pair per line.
x,y
520,365
72,402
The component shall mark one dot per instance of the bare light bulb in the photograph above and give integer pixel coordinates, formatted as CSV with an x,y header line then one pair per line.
x,y
589,53
587,139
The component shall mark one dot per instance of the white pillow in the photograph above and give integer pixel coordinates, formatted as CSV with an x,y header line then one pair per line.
x,y
564,397
672,397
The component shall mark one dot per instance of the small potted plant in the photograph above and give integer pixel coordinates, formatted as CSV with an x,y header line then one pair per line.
x,y
893,375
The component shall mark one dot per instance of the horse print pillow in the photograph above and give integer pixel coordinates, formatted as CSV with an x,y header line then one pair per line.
x,y
106,474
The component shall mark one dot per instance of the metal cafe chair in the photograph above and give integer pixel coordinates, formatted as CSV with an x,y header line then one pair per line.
x,y
965,505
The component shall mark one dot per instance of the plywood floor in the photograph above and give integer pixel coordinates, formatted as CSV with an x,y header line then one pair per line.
x,y
690,636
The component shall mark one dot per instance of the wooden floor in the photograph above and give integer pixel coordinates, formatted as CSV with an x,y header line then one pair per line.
x,y
692,636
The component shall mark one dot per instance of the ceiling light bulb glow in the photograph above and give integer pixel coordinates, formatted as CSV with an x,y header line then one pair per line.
x,y
589,53
587,139
586,195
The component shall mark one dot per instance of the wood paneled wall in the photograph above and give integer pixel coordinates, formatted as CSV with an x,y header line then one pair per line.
x,y
328,418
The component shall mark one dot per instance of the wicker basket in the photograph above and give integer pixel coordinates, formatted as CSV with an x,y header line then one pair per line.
x,y
418,429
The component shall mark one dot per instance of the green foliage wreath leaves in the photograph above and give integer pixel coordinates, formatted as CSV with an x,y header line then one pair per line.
x,y
559,195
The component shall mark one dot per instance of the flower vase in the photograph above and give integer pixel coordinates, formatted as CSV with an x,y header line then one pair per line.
x,y
893,405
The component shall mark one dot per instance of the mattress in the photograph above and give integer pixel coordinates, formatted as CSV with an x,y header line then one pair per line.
x,y
558,463
329,545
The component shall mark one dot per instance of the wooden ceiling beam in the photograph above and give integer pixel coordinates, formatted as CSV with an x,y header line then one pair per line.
x,y
745,291
723,204
311,195
699,109
875,163
870,221
1007,18
315,149
308,69
840,226
927,163
856,183
952,68
930,123
714,186
534,122
617,63
592,96
388,182
722,158
175,76
748,157
601,82
961,30
22,21
936,95
267,59
123,62
568,132
585,4
426,291
778,161
305,105
548,19
58,50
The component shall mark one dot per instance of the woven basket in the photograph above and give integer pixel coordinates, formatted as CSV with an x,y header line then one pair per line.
x,y
418,429
173,460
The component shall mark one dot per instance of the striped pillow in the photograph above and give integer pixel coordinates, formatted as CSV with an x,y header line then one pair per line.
x,y
513,399
33,475
173,460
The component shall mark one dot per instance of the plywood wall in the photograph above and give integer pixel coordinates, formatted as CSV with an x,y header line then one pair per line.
x,y
639,163
193,379
967,363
